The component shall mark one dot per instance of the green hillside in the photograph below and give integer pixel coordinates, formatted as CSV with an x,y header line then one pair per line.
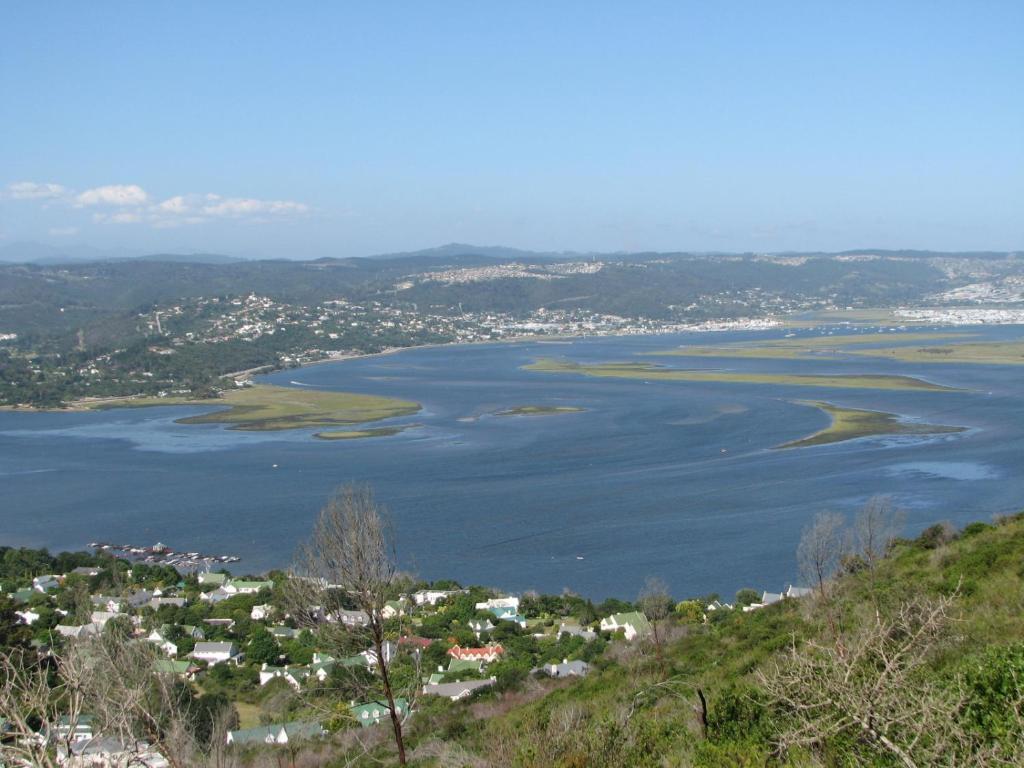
x,y
962,701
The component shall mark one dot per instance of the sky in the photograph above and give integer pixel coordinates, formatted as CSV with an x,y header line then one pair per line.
x,y
304,130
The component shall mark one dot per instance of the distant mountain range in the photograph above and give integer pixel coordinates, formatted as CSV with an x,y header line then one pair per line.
x,y
28,252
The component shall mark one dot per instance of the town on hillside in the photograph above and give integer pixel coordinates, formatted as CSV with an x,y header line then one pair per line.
x,y
280,679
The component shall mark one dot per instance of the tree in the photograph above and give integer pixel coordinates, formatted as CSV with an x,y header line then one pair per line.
x,y
656,604
870,693
821,549
349,560
747,596
690,612
874,529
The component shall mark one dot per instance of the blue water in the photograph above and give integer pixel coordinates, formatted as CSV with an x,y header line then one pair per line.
x,y
669,479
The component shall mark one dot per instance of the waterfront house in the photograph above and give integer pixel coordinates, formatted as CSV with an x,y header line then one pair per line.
x,y
393,608
796,592
432,596
217,653
499,602
632,624
457,690
373,712
216,579
140,598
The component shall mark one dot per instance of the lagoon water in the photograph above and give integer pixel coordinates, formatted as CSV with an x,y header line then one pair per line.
x,y
669,479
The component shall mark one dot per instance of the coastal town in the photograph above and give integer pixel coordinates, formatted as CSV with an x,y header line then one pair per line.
x,y
286,680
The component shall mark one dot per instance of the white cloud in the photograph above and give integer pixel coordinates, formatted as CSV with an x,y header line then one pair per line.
x,y
127,217
33,190
63,231
136,207
113,194
243,206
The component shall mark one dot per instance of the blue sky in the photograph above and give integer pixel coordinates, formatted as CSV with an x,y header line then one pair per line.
x,y
339,129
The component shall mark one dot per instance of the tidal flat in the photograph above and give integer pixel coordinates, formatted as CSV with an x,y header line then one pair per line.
x,y
650,372
267,407
851,423
539,410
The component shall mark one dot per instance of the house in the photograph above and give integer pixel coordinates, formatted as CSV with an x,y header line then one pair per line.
x,y
106,603
375,711
353,618
796,592
394,608
277,734
479,626
575,630
110,752
261,612
388,648
239,587
22,595
88,571
216,579
65,729
507,613
632,624
414,642
459,666
486,654
101,618
77,632
216,653
182,668
140,598
222,623
291,675
27,616
157,602
499,602
218,595
566,669
45,583
284,633
432,596
457,690
168,647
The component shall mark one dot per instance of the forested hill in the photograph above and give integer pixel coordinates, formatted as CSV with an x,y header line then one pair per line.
x,y
652,285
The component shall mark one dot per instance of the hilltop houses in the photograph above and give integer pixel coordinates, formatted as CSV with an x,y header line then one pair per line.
x,y
217,653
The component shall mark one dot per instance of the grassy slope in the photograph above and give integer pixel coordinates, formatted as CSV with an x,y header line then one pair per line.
x,y
851,423
588,722
654,373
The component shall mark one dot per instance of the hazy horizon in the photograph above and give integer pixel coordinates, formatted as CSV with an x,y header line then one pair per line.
x,y
309,131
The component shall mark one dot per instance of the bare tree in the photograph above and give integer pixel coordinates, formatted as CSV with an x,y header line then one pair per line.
x,y
656,604
868,685
821,549
349,562
876,526
37,691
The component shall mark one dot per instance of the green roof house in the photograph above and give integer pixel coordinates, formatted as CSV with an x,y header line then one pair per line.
x,y
633,624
